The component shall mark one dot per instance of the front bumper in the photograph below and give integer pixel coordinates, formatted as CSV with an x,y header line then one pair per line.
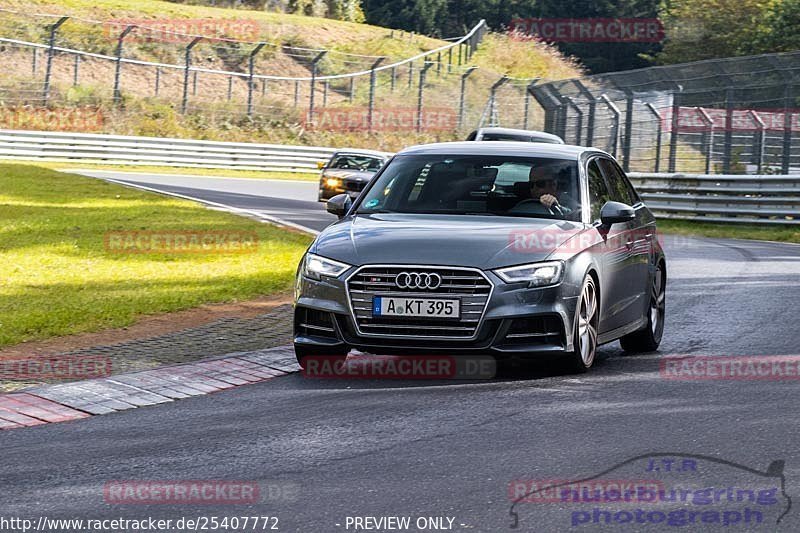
x,y
516,320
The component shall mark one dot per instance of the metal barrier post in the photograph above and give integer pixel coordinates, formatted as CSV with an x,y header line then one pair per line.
x,y
571,103
158,81
352,88
493,100
314,64
422,73
230,87
50,53
372,80
673,134
787,128
758,140
76,70
528,102
728,148
118,66
462,94
251,65
587,94
709,136
187,66
627,136
659,128
615,111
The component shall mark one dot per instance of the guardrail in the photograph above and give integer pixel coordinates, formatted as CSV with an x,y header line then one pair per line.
x,y
754,199
130,150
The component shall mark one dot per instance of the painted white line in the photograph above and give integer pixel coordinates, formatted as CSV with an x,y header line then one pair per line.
x,y
195,176
235,210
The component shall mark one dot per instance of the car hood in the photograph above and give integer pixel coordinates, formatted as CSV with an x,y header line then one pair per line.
x,y
484,242
348,174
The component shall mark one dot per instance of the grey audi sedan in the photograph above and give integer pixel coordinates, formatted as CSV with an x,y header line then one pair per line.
x,y
503,248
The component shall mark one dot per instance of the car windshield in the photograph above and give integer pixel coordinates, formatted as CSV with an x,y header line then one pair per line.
x,y
477,185
356,162
516,137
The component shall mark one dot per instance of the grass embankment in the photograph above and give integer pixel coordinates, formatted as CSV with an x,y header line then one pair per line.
x,y
211,115
58,276
731,231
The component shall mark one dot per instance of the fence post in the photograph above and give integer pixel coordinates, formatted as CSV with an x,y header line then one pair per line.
x,y
627,136
410,73
615,111
372,80
449,60
728,148
461,99
251,65
787,128
118,66
296,93
709,136
592,111
194,83
655,112
325,85
50,53
187,66
314,63
422,73
230,87
673,134
579,126
528,101
158,80
493,100
758,140
352,88
76,70
394,77
34,60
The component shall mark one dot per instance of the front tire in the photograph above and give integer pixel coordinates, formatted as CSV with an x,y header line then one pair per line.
x,y
336,354
584,341
648,338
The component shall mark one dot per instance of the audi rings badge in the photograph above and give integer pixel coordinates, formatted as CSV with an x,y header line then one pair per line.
x,y
418,280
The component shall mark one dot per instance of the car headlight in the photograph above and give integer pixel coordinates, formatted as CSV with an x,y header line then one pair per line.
x,y
538,274
332,182
315,267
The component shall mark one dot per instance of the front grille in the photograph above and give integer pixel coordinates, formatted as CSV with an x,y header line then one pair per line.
x,y
469,286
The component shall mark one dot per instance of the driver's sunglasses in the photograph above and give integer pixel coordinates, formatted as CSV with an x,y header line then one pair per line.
x,y
542,184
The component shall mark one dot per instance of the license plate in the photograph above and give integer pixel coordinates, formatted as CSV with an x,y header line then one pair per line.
x,y
430,307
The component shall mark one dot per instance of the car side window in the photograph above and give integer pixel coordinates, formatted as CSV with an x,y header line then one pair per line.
x,y
598,192
619,187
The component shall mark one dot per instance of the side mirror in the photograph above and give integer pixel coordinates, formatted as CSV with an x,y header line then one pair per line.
x,y
320,165
614,212
339,205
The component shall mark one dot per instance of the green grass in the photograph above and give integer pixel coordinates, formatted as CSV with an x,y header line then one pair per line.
x,y
58,278
731,231
211,172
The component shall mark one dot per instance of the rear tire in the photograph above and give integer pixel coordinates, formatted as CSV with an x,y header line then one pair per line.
x,y
336,354
584,335
648,338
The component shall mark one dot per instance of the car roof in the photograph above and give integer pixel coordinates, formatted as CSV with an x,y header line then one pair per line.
x,y
510,148
360,151
512,131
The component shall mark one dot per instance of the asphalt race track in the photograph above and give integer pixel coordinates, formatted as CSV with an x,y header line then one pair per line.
x,y
357,448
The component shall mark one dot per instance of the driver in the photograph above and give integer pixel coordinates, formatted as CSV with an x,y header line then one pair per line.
x,y
544,191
